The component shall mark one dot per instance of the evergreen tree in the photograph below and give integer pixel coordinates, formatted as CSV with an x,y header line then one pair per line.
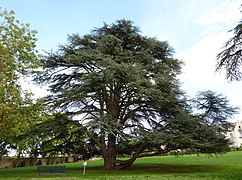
x,y
121,88
230,58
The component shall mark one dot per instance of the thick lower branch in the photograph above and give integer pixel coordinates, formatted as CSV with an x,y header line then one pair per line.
x,y
120,164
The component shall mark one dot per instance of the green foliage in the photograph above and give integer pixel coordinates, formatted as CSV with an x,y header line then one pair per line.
x,y
58,135
17,58
122,89
214,109
230,57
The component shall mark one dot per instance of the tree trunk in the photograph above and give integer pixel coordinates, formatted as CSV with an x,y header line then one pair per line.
x,y
110,154
109,161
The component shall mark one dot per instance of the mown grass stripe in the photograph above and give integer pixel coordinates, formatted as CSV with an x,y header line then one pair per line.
x,y
227,166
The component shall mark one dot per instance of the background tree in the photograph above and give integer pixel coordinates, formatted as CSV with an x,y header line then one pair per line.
x,y
230,58
17,58
214,111
122,89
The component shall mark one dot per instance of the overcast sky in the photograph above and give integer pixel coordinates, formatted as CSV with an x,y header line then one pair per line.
x,y
196,29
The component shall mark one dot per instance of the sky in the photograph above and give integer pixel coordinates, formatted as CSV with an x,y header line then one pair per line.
x,y
196,29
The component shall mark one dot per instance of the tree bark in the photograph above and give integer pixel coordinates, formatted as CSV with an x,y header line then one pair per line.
x,y
110,154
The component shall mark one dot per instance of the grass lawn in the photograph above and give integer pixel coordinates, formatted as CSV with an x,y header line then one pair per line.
x,y
190,167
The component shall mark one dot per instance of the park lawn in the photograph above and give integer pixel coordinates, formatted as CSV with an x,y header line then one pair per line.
x,y
189,167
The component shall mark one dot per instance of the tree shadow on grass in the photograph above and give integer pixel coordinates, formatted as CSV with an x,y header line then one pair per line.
x,y
175,169
157,168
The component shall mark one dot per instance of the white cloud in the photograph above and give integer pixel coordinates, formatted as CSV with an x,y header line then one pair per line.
x,y
214,20
199,70
200,60
225,12
38,91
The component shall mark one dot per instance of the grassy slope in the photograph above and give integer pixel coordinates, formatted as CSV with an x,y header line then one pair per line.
x,y
228,166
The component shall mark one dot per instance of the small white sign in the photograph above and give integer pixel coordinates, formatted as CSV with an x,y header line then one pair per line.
x,y
84,168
